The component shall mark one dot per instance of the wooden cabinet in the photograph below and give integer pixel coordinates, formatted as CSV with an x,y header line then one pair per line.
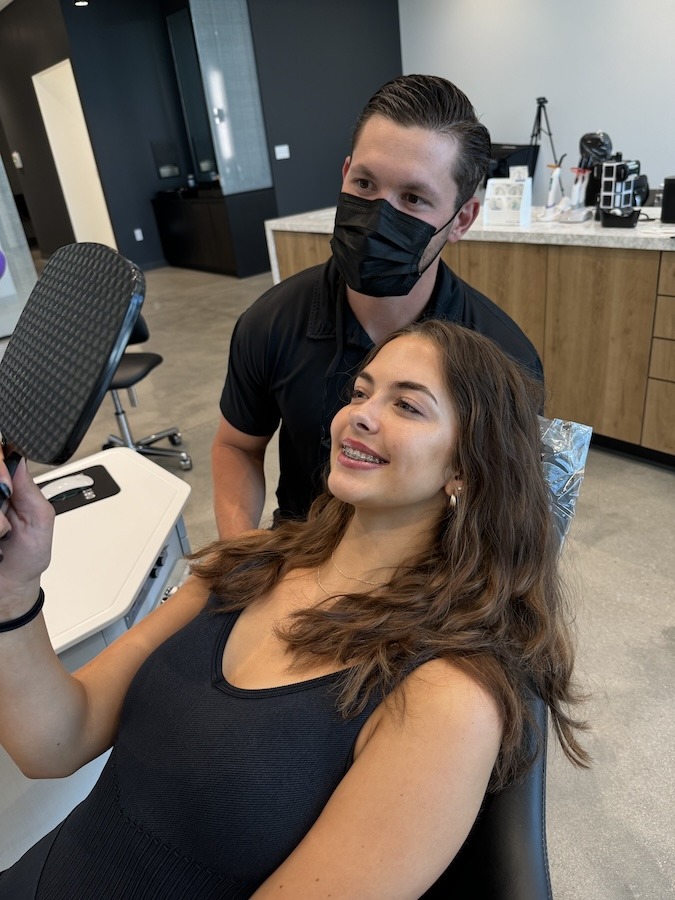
x,y
204,229
658,431
298,250
667,274
599,318
602,319
514,277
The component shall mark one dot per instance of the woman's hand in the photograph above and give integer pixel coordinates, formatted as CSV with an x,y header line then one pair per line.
x,y
26,529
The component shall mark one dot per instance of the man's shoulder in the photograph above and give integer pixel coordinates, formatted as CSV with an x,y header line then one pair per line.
x,y
294,296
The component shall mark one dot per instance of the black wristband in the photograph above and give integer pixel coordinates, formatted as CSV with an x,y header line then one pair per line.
x,y
26,617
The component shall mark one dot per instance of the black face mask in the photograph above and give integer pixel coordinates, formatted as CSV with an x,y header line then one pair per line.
x,y
378,249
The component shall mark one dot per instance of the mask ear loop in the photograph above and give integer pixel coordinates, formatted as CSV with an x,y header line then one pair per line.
x,y
452,217
440,249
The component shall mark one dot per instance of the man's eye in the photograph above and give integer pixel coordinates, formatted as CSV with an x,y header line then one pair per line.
x,y
413,199
363,183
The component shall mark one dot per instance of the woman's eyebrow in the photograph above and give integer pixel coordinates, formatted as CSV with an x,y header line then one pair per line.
x,y
399,385
414,386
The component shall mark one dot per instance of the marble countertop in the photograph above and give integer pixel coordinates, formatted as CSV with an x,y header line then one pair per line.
x,y
646,235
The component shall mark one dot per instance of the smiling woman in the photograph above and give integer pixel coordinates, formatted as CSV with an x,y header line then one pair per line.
x,y
393,446
349,680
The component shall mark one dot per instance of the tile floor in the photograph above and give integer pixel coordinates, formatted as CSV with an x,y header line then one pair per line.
x,y
611,830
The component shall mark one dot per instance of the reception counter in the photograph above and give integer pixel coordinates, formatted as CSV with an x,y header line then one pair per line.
x,y
598,304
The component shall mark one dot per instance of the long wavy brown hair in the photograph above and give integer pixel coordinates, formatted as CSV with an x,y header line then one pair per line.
x,y
485,593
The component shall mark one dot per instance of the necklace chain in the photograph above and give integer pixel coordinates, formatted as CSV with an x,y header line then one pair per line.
x,y
354,577
344,575
318,581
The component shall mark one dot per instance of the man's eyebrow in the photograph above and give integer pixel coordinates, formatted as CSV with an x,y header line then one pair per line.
x,y
399,385
412,187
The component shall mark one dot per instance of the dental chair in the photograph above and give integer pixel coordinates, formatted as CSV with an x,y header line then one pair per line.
x,y
505,856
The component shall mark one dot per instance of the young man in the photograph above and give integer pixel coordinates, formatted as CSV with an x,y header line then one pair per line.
x,y
418,154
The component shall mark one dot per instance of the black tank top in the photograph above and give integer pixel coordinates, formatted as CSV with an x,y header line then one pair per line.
x,y
208,789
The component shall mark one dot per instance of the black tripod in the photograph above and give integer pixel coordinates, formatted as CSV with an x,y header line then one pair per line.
x,y
538,130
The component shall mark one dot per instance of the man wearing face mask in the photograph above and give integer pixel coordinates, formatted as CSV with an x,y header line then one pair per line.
x,y
418,154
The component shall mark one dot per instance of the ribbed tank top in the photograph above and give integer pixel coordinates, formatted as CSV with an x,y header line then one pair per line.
x,y
208,789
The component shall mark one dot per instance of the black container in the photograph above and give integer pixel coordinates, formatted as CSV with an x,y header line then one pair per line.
x,y
668,202
619,219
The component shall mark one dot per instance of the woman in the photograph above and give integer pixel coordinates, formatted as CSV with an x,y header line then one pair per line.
x,y
301,716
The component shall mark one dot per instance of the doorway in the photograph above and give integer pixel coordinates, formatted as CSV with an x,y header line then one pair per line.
x,y
68,137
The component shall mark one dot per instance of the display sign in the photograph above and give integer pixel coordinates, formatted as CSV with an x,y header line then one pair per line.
x,y
508,201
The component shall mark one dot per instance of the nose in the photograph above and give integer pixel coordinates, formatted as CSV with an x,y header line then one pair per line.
x,y
364,417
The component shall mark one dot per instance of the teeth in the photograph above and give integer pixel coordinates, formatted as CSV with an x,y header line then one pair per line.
x,y
351,453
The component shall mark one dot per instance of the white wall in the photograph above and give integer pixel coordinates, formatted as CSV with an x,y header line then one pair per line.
x,y
603,65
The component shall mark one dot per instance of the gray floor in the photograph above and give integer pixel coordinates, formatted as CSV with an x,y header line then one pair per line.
x,y
611,829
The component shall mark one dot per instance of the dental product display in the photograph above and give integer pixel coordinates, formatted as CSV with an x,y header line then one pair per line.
x,y
508,201
618,200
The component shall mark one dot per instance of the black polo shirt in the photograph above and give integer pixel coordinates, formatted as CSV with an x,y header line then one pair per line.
x,y
295,350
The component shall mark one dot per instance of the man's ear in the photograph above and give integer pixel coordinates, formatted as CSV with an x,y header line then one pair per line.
x,y
345,166
465,219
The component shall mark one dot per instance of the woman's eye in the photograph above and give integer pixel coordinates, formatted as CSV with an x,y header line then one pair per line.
x,y
357,394
408,407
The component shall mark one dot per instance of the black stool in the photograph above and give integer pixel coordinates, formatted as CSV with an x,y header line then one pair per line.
x,y
134,367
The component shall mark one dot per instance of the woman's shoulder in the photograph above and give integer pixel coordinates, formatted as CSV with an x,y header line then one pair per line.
x,y
438,705
441,685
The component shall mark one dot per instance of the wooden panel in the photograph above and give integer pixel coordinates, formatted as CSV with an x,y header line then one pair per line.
x,y
662,364
664,321
659,427
450,256
298,250
599,318
667,275
514,277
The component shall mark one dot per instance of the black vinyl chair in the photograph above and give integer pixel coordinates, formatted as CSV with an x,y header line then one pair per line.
x,y
505,856
134,367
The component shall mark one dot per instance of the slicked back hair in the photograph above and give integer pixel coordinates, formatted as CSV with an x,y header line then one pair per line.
x,y
431,102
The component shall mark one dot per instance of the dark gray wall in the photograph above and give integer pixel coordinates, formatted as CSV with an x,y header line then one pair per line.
x,y
122,62
318,63
32,38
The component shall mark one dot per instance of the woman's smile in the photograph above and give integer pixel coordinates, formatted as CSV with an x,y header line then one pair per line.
x,y
353,453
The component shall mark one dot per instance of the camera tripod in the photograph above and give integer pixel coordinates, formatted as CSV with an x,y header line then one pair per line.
x,y
538,130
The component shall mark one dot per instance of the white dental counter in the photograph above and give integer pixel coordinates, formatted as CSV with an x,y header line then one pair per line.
x,y
119,547
598,303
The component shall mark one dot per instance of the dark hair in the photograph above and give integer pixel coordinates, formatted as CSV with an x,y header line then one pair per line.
x,y
431,102
485,594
